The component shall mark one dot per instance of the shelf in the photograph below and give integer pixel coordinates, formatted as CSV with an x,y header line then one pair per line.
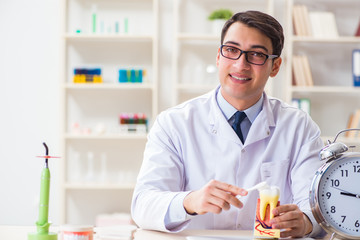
x,y
326,89
108,37
128,136
327,40
333,98
126,38
99,186
193,36
108,86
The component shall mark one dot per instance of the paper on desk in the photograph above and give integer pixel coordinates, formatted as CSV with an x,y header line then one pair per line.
x,y
218,238
230,238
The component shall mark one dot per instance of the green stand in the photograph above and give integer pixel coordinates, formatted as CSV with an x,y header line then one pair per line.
x,y
42,224
42,233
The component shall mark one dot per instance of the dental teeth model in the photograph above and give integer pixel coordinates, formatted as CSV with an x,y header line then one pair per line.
x,y
268,200
268,196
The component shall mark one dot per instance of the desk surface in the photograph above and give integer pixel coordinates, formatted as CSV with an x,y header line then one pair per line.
x,y
222,234
21,232
147,235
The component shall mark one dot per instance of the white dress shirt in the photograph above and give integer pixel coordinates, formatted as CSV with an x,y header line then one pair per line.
x,y
251,113
193,143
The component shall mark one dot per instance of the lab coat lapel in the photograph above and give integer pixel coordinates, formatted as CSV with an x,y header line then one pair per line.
x,y
262,127
218,124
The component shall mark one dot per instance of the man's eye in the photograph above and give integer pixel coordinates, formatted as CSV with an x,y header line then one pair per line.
x,y
257,54
232,50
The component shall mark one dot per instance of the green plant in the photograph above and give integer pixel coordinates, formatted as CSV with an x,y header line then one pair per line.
x,y
220,14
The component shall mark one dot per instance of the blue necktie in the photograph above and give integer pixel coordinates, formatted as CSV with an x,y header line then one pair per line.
x,y
239,116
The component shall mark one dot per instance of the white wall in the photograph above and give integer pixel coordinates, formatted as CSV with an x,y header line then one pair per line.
x,y
29,104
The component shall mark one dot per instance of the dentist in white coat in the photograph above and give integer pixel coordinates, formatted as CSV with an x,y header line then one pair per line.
x,y
195,163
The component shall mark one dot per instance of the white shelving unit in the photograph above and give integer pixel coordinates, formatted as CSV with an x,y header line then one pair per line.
x,y
195,43
99,163
333,97
91,187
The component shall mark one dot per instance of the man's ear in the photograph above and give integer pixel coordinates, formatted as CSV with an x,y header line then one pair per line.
x,y
276,67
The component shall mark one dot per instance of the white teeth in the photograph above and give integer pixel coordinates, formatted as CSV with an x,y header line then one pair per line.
x,y
241,79
268,196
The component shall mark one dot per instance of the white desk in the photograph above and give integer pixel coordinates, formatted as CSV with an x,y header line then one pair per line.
x,y
231,234
153,235
21,232
15,232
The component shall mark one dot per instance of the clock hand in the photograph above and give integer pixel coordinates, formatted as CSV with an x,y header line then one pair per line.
x,y
350,194
346,193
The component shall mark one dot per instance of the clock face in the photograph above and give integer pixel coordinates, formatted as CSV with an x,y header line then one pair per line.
x,y
339,195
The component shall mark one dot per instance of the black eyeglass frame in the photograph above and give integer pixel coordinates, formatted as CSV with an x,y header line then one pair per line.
x,y
246,55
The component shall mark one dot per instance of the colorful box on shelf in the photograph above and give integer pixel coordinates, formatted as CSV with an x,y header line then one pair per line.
x,y
131,75
133,122
87,75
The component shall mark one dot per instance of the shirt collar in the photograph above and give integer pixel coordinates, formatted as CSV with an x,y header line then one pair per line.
x,y
228,110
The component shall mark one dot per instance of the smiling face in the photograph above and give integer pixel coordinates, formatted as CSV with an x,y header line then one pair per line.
x,y
243,83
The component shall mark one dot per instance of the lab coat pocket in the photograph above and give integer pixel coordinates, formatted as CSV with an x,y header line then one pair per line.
x,y
275,172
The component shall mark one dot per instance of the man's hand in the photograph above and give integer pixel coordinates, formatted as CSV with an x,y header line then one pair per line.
x,y
213,197
292,219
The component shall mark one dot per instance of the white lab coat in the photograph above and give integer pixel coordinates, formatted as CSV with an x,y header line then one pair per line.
x,y
192,143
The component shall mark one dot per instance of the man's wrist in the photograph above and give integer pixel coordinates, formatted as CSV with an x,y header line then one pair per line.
x,y
187,205
308,225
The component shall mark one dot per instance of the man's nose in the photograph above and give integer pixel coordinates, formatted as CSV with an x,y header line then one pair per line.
x,y
242,62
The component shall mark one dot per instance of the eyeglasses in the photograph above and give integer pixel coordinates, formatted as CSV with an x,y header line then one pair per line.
x,y
234,53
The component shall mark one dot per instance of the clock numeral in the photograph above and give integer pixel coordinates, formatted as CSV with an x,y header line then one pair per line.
x,y
328,194
344,173
357,168
357,224
344,217
333,210
335,183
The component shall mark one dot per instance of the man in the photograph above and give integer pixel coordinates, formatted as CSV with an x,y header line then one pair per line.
x,y
195,163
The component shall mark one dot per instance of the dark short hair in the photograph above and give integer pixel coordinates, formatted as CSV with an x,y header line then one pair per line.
x,y
261,21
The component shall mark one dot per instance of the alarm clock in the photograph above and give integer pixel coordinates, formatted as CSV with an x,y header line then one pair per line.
x,y
335,191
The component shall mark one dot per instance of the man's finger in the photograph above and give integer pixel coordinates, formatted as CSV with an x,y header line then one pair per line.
x,y
230,188
224,199
284,209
